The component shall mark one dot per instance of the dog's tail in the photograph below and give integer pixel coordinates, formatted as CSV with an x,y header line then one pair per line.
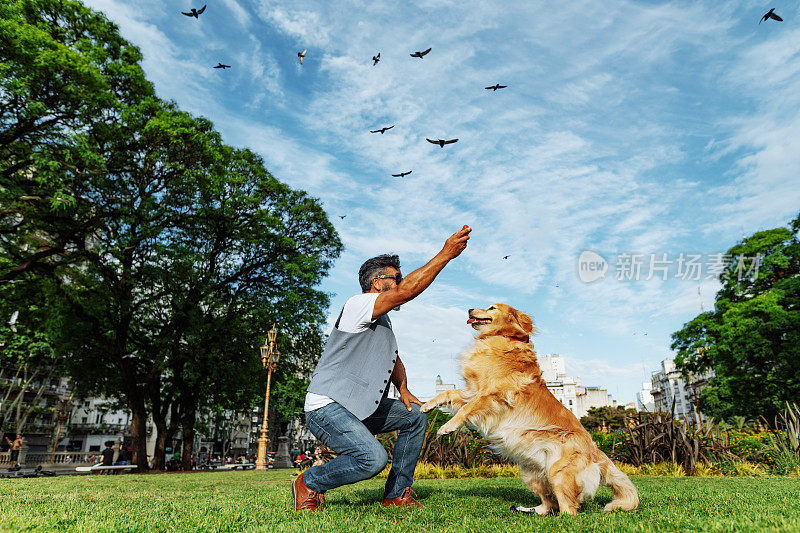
x,y
625,495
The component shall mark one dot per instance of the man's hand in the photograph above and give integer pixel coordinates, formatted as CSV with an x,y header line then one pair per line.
x,y
407,398
456,243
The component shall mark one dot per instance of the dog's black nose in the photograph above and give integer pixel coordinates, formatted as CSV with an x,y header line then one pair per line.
x,y
471,310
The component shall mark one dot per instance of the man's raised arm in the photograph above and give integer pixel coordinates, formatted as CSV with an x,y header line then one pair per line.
x,y
418,281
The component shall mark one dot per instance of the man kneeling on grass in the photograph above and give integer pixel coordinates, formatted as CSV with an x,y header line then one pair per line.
x,y
347,401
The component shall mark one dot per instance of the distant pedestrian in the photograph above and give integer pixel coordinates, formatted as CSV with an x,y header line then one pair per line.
x,y
16,446
123,458
108,456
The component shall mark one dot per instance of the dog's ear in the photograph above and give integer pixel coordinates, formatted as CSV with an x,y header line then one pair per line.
x,y
525,322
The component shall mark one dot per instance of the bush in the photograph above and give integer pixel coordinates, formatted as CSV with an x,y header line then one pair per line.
x,y
609,442
648,444
613,418
431,471
785,439
753,447
464,447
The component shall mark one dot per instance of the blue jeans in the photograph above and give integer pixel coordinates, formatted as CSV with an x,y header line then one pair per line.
x,y
361,456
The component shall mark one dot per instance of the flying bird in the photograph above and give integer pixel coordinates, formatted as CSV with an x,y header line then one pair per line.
x,y
375,59
301,55
13,321
495,87
195,12
342,216
382,130
220,65
441,142
506,256
770,15
420,54
402,174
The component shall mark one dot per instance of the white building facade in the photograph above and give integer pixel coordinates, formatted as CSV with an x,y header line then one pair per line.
x,y
644,398
669,386
575,396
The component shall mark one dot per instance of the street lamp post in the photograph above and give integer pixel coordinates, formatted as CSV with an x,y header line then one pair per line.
x,y
269,358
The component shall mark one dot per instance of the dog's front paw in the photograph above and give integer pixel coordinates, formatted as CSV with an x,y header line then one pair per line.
x,y
447,428
427,406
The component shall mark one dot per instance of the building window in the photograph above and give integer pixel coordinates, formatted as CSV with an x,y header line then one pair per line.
x,y
86,403
98,418
84,420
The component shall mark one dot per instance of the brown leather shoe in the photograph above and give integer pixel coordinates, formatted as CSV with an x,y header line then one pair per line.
x,y
305,498
404,500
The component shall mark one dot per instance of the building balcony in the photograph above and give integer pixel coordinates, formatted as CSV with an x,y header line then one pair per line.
x,y
102,429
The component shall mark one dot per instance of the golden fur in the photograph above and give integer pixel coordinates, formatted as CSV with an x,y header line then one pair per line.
x,y
507,400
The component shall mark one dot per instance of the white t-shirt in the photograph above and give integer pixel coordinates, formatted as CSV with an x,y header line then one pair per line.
x,y
356,317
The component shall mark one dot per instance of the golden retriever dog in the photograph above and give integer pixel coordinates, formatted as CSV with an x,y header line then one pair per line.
x,y
507,400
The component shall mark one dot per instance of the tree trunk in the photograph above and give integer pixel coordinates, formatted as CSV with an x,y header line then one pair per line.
x,y
138,432
159,455
4,405
15,408
187,433
22,416
165,432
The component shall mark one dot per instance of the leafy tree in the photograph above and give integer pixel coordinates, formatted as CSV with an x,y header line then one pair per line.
x,y
162,250
612,417
184,276
752,337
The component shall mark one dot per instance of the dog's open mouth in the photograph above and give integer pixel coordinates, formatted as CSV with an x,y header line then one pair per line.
x,y
472,320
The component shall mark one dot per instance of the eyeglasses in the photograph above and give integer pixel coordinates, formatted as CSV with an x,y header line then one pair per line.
x,y
396,277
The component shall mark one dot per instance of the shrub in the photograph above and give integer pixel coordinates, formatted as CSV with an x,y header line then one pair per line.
x,y
750,446
608,441
649,444
431,471
464,447
785,439
657,438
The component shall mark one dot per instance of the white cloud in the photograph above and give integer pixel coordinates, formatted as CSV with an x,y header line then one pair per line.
x,y
238,12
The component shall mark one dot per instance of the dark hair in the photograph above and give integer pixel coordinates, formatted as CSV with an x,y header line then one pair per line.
x,y
375,267
109,443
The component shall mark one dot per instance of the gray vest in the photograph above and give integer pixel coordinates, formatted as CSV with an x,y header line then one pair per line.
x,y
355,369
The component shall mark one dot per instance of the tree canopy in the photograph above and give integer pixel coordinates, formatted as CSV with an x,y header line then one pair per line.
x,y
612,417
751,340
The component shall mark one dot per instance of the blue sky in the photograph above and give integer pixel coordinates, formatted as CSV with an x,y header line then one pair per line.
x,y
631,128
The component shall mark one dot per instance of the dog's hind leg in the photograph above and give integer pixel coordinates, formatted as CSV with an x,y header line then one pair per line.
x,y
563,479
539,487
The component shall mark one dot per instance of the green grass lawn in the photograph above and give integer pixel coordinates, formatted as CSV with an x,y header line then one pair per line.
x,y
236,501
